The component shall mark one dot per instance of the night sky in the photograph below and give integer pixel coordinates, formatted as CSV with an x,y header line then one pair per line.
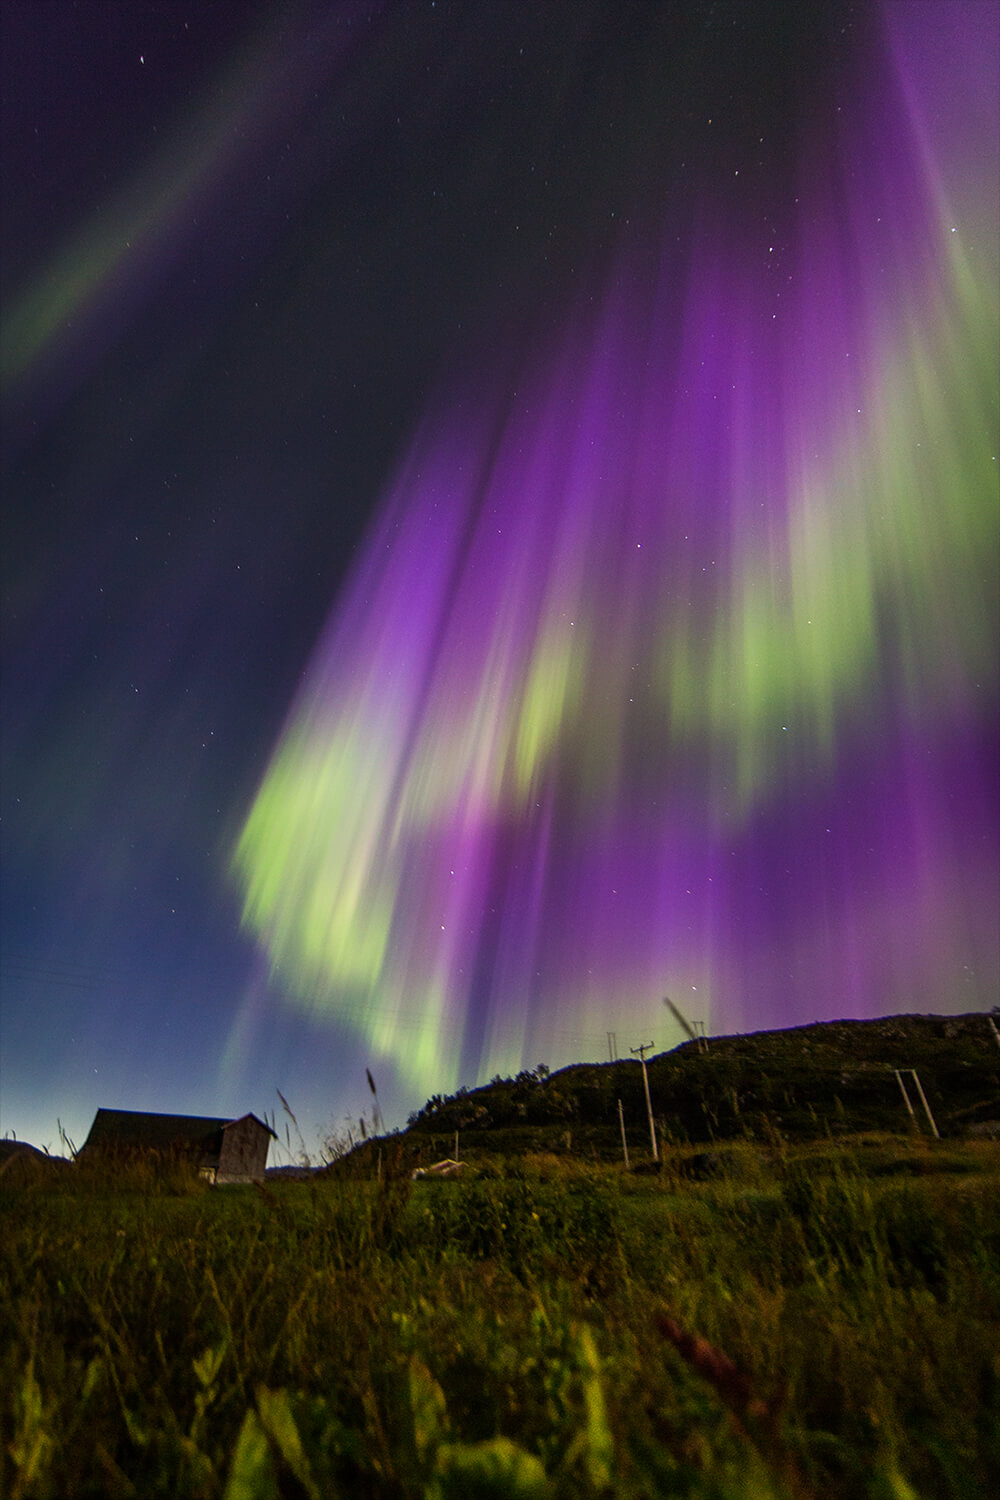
x,y
500,525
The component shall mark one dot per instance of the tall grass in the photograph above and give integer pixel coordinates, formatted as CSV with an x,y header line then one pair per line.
x,y
809,1322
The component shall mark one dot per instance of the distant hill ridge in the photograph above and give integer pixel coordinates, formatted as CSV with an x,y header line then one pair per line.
x,y
18,1158
827,1078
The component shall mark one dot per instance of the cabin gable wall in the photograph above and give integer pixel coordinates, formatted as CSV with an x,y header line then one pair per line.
x,y
244,1151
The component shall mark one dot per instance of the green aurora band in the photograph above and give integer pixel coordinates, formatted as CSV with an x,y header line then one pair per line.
x,y
673,668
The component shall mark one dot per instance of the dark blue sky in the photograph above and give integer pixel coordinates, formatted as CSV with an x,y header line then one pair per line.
x,y
242,246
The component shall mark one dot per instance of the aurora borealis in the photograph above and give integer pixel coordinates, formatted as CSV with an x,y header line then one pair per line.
x,y
655,625
661,657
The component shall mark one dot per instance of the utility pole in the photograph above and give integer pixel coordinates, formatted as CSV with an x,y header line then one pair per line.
x,y
621,1121
612,1046
647,1047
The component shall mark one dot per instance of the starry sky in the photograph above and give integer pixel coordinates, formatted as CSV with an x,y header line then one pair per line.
x,y
500,526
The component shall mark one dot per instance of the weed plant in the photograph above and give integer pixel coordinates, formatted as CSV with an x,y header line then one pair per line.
x,y
817,1321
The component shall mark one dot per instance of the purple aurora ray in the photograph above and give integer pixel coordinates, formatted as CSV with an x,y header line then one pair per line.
x,y
669,666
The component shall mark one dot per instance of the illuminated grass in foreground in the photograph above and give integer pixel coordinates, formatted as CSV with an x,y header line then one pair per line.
x,y
819,1321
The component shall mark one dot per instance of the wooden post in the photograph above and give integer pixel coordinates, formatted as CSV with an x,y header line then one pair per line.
x,y
456,1145
927,1108
906,1097
621,1121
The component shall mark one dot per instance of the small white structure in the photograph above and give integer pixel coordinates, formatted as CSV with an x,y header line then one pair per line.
x,y
446,1168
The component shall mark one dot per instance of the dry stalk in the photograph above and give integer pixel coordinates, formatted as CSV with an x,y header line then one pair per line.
x,y
757,1419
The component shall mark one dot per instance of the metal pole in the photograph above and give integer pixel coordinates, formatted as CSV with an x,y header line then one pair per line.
x,y
648,1047
612,1046
621,1121
927,1108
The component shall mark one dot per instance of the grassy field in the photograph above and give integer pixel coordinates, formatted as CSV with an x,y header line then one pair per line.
x,y
817,1320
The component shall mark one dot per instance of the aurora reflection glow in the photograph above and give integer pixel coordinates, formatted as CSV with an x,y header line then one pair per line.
x,y
670,663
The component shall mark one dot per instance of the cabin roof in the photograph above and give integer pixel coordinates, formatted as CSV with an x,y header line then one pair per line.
x,y
139,1128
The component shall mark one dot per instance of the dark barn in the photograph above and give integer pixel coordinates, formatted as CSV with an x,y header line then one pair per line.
x,y
222,1150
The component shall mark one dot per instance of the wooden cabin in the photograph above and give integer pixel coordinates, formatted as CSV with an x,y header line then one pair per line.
x,y
222,1150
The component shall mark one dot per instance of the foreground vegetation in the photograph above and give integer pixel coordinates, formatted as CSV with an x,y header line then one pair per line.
x,y
769,1322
